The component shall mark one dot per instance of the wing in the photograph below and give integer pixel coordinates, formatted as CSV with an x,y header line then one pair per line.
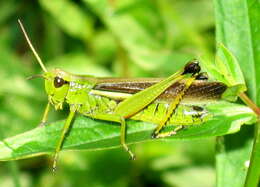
x,y
121,88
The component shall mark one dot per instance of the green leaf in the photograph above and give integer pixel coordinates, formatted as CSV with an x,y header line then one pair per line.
x,y
237,27
85,65
146,40
70,18
232,158
229,67
95,134
226,69
13,73
157,34
104,47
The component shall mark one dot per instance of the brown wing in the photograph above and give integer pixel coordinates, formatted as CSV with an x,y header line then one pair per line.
x,y
125,85
199,90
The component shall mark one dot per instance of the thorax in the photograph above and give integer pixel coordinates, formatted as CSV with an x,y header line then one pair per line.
x,y
80,96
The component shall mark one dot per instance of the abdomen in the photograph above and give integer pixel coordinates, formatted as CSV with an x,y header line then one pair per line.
x,y
183,114
154,113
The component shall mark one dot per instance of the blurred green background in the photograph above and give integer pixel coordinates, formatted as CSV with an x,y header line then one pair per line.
x,y
130,38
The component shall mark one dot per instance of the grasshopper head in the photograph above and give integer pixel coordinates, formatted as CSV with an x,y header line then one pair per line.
x,y
56,86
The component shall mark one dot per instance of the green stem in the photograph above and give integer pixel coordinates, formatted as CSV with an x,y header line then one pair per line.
x,y
250,103
253,174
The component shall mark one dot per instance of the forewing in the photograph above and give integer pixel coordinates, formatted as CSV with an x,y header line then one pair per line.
x,y
200,90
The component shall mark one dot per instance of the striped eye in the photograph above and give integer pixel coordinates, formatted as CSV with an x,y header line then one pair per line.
x,y
59,82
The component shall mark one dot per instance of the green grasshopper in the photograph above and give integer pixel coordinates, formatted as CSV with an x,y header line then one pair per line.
x,y
157,100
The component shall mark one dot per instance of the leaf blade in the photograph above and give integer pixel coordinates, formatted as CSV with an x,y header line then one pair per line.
x,y
95,134
238,29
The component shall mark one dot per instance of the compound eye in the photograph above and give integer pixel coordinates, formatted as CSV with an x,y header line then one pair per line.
x,y
59,82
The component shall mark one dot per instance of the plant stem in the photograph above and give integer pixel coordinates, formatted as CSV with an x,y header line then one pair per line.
x,y
253,174
250,103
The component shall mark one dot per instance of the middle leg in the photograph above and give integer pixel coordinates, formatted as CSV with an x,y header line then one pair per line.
x,y
121,120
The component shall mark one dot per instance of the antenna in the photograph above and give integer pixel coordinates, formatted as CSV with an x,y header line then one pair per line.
x,y
32,48
34,76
